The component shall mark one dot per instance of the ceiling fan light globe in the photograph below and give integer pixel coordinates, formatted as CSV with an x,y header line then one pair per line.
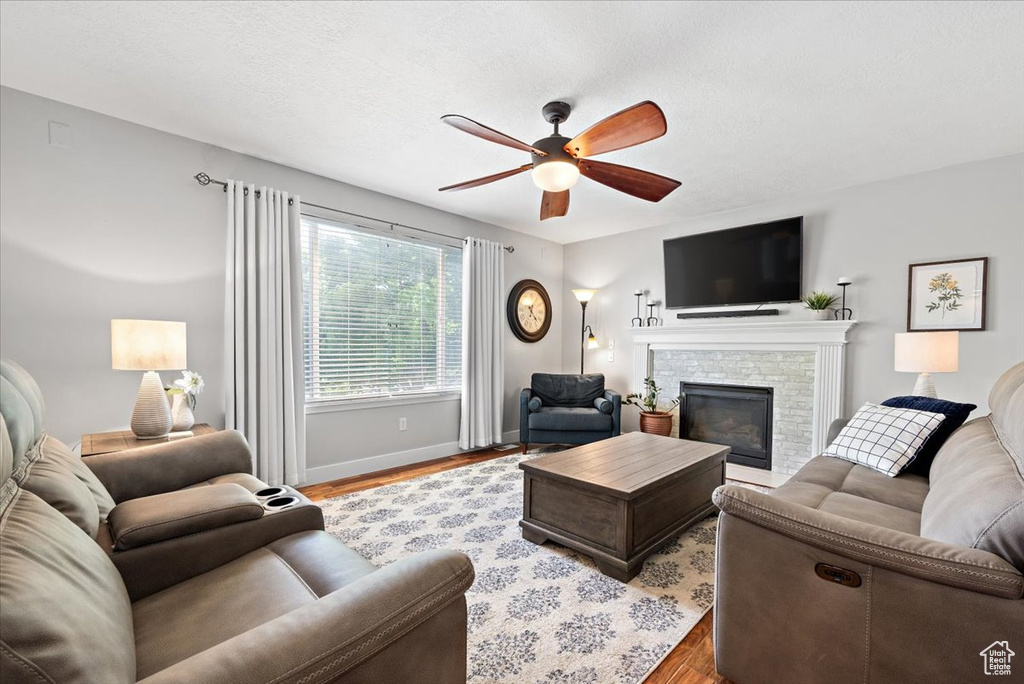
x,y
555,176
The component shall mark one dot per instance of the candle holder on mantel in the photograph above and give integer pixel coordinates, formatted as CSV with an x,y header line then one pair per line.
x,y
844,313
637,320
652,320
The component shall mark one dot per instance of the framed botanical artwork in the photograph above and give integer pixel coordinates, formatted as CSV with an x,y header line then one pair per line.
x,y
947,295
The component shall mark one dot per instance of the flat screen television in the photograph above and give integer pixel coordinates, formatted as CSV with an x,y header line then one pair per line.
x,y
758,264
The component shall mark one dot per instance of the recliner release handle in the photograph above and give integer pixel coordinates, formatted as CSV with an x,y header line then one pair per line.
x,y
837,575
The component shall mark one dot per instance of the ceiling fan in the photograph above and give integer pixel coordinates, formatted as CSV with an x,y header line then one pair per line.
x,y
559,161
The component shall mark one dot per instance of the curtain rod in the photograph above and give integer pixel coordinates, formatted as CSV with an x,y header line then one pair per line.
x,y
204,179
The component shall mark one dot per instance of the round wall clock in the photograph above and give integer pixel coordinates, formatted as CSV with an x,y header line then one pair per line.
x,y
529,311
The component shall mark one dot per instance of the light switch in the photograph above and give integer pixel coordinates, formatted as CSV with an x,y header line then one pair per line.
x,y
60,134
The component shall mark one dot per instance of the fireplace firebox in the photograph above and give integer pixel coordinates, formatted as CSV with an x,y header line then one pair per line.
x,y
735,415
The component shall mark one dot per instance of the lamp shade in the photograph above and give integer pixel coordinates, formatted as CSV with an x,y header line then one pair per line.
x,y
584,295
147,345
555,176
927,352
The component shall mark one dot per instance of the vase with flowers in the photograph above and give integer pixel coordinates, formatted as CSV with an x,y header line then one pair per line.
x,y
183,399
654,418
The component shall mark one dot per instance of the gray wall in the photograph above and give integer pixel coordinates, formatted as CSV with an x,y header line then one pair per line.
x,y
870,233
115,227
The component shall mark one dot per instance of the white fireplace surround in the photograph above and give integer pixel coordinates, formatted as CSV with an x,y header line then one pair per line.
x,y
827,339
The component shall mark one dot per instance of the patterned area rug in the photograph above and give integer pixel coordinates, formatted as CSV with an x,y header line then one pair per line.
x,y
537,614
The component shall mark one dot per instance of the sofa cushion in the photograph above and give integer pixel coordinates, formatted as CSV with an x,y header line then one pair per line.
x,y
6,452
562,418
21,423
955,414
55,450
858,493
190,617
66,615
976,497
535,404
1006,401
54,481
567,390
884,438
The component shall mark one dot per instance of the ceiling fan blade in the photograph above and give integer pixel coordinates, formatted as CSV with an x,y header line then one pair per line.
x,y
486,179
554,204
642,184
488,133
632,126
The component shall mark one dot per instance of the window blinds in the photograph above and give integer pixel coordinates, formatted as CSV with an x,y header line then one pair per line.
x,y
382,316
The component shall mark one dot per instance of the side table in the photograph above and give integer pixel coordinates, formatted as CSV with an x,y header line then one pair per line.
x,y
109,442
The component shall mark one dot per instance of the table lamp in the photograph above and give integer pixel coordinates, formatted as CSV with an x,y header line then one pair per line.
x,y
148,346
926,353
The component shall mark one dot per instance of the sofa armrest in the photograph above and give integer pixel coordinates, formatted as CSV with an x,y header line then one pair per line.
x,y
908,554
616,399
524,414
151,568
149,470
322,641
835,428
160,517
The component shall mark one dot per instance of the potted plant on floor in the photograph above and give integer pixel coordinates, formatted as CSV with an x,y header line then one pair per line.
x,y
819,303
652,420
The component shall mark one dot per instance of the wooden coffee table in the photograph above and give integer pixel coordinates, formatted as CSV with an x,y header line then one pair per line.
x,y
620,499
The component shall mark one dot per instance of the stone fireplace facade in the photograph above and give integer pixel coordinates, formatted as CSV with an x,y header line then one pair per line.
x,y
789,374
802,361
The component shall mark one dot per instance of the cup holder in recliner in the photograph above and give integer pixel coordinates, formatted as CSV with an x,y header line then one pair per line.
x,y
270,493
279,503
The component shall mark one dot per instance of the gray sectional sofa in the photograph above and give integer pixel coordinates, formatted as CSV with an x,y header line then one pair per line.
x,y
160,565
845,575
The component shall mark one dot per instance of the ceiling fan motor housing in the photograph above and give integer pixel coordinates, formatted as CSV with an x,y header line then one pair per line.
x,y
553,145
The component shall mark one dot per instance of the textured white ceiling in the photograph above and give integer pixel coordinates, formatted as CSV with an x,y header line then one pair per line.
x,y
763,100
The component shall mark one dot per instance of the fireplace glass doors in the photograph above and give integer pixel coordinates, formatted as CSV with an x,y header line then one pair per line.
x,y
734,415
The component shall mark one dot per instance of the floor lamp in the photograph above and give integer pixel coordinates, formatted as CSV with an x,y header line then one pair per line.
x,y
586,342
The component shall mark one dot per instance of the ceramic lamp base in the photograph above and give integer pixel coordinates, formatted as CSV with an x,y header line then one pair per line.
x,y
925,386
151,417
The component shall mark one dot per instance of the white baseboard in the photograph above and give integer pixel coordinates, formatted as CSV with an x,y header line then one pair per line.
x,y
372,464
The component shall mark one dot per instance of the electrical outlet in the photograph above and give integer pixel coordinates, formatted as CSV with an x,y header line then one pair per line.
x,y
402,424
611,351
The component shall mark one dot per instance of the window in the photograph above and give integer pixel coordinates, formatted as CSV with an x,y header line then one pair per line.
x,y
382,316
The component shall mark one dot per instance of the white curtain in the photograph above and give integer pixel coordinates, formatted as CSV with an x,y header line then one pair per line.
x,y
264,393
483,345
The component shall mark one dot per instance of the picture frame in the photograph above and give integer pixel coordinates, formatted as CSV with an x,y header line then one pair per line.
x,y
947,295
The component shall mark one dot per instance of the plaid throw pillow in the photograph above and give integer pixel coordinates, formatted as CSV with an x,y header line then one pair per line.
x,y
885,439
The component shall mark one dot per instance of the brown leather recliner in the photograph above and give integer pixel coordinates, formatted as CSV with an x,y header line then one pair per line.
x,y
159,565
845,575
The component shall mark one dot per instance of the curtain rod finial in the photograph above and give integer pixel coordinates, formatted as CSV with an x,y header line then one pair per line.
x,y
202,178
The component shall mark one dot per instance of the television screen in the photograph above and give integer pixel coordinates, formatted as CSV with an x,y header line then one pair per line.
x,y
755,264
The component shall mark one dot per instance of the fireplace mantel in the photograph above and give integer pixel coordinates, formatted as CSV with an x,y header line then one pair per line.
x,y
743,334
827,339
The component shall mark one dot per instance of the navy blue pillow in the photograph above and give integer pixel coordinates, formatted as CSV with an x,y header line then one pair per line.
x,y
955,414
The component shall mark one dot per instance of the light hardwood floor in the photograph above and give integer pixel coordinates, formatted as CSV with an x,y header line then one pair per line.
x,y
692,661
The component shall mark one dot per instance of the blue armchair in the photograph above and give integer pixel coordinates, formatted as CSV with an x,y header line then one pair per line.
x,y
568,409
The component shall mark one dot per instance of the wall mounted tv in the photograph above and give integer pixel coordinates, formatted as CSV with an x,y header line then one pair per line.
x,y
756,264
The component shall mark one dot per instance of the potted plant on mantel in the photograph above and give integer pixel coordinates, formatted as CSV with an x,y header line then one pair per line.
x,y
652,421
819,304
